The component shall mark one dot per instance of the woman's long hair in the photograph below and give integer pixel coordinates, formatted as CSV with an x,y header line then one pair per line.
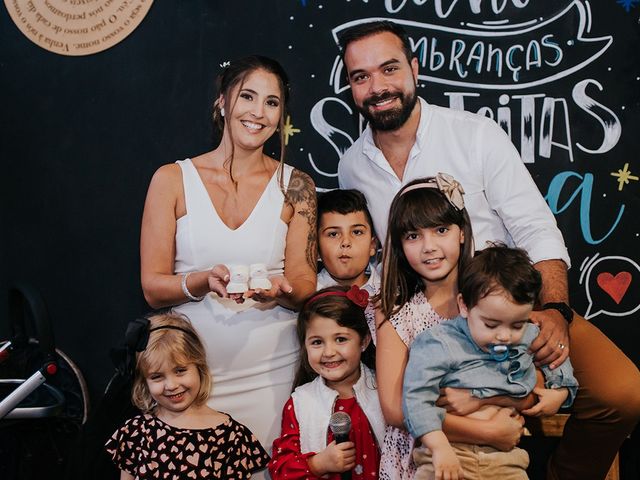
x,y
234,75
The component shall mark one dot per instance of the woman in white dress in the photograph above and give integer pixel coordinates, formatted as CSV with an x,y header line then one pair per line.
x,y
236,206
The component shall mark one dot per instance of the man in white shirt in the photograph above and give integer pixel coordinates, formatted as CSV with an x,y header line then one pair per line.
x,y
406,139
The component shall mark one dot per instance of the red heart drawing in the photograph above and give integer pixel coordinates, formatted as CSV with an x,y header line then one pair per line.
x,y
616,286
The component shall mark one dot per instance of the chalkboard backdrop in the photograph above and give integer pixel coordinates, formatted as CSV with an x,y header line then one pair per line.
x,y
81,136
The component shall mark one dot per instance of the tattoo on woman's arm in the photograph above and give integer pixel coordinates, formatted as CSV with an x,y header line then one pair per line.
x,y
301,194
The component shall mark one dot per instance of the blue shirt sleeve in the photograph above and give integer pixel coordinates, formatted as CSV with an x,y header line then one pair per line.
x,y
562,377
428,363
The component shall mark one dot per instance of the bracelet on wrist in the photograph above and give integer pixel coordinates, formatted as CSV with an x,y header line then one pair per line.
x,y
563,308
185,290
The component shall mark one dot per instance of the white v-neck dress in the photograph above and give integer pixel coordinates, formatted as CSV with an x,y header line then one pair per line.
x,y
252,349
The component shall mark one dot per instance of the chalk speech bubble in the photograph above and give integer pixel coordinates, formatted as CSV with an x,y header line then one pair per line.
x,y
596,278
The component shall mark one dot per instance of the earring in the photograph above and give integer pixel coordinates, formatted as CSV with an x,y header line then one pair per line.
x,y
222,112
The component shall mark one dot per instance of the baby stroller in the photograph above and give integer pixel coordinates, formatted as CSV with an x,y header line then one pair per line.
x,y
43,396
89,459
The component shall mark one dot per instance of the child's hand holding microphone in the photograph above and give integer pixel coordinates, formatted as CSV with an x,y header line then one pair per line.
x,y
340,455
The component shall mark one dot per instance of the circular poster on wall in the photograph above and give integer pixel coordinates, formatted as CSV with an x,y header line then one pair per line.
x,y
77,27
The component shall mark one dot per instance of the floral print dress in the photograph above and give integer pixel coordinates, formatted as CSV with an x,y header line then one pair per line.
x,y
411,320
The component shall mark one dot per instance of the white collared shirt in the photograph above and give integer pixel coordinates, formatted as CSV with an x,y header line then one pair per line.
x,y
502,200
372,285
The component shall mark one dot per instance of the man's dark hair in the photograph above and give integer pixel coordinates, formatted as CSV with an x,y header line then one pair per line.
x,y
500,268
363,30
343,202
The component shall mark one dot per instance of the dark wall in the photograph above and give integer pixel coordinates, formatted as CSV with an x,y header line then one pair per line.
x,y
83,135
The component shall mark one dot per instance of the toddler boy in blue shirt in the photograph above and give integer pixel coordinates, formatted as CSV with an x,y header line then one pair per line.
x,y
485,349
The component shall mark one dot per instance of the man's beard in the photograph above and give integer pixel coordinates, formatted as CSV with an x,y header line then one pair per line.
x,y
391,119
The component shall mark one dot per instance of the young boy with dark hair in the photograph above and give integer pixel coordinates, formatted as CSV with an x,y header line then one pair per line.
x,y
346,241
485,349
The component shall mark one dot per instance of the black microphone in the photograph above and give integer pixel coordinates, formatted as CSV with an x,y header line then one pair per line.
x,y
340,425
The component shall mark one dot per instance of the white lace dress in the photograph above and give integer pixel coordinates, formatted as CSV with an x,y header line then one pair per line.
x,y
414,318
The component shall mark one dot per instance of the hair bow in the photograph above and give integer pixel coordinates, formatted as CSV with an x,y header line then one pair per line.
x,y
137,334
358,296
446,184
135,340
451,189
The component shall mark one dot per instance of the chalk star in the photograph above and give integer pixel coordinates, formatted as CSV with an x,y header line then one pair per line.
x,y
628,4
289,130
624,175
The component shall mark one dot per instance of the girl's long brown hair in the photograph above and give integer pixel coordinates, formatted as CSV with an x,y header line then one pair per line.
x,y
345,313
419,208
